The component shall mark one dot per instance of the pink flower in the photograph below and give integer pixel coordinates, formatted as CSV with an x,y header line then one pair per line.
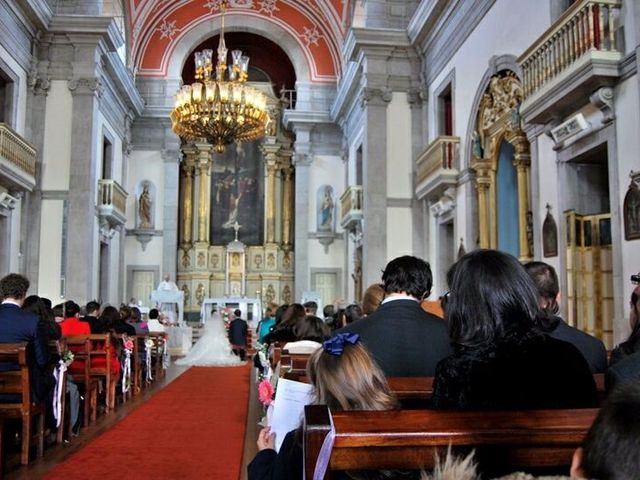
x,y
128,344
265,392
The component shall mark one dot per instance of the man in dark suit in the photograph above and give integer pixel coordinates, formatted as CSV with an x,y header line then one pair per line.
x,y
17,325
546,280
404,340
238,335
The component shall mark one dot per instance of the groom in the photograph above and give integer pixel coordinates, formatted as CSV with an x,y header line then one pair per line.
x,y
238,335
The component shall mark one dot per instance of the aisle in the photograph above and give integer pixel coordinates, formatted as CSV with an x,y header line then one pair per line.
x,y
192,429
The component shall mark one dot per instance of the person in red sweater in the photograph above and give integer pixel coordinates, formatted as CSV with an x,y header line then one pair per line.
x,y
71,325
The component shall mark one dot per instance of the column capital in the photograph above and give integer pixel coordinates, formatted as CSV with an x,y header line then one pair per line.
x,y
379,97
85,86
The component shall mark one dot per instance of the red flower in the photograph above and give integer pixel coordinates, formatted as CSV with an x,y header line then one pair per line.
x,y
265,392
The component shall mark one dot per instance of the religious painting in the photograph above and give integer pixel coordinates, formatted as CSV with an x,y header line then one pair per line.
x,y
631,212
549,235
237,195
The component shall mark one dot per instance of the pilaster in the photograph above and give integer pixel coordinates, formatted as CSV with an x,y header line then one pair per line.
x,y
171,159
302,160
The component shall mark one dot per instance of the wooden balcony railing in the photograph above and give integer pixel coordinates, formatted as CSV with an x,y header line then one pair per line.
x,y
442,153
112,201
17,151
587,26
351,206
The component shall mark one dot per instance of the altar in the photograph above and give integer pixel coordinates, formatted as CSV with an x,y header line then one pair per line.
x,y
160,298
251,308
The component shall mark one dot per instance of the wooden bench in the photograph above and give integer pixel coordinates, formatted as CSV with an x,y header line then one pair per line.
x,y
410,439
16,383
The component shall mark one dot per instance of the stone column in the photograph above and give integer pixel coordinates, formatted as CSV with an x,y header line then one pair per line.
x,y
522,161
82,222
302,163
287,208
374,233
204,201
171,159
271,163
186,192
416,97
482,183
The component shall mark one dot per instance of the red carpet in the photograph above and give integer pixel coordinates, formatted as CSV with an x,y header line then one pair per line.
x,y
194,428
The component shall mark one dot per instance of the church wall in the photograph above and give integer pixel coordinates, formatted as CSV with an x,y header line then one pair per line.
x,y
399,241
49,271
20,82
57,138
627,109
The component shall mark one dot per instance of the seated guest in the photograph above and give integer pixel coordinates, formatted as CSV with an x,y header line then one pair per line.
x,y
283,331
623,371
135,319
501,360
267,323
344,377
546,280
632,344
328,312
121,324
35,304
22,326
372,298
154,324
92,317
71,325
610,450
310,332
350,314
311,308
404,340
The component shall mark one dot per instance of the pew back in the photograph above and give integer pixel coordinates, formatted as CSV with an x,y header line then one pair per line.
x,y
410,439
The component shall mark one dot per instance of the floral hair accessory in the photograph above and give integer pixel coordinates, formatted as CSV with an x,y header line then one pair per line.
x,y
335,345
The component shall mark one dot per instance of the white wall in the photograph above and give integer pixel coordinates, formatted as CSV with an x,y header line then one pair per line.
x,y
50,249
56,153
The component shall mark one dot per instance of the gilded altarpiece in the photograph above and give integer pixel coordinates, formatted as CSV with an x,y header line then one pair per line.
x,y
498,121
249,188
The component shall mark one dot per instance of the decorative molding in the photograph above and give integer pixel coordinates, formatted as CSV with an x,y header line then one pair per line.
x,y
86,86
603,99
379,97
7,201
143,236
570,128
445,204
399,202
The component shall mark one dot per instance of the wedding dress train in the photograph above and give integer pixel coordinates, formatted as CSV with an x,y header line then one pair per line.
x,y
212,349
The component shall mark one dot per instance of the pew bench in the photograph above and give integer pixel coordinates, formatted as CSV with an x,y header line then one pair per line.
x,y
15,384
410,439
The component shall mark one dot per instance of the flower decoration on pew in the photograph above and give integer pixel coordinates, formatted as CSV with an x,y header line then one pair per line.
x,y
128,345
67,357
265,392
148,343
335,345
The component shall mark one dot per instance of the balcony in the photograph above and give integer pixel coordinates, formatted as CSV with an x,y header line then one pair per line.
x,y
351,207
112,203
17,160
435,168
577,55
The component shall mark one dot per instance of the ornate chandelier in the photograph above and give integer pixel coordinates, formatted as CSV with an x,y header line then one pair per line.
x,y
217,110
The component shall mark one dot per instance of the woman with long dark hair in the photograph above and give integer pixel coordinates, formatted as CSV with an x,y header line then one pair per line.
x,y
632,344
501,359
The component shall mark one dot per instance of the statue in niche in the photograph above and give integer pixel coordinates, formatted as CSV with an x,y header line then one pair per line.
x,y
270,296
549,235
271,260
215,260
258,261
200,294
144,208
286,294
325,213
235,260
201,261
186,261
631,210
187,293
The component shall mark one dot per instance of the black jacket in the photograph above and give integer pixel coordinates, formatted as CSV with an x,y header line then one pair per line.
x,y
592,348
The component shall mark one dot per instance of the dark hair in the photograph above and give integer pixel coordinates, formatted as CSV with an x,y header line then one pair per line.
x,y
408,274
610,449
292,314
58,310
311,307
631,344
14,285
47,302
34,304
154,313
125,312
71,308
92,306
110,316
492,297
311,328
280,313
352,313
237,312
545,278
329,310
136,316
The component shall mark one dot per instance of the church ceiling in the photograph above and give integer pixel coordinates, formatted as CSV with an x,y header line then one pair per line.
x,y
158,25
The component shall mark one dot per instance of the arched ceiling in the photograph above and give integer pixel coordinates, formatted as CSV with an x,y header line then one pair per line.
x,y
316,26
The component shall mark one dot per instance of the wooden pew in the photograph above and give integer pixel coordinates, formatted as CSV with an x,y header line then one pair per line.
x,y
56,347
17,383
409,439
80,346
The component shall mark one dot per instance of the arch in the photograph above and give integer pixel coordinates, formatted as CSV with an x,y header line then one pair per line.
x,y
314,60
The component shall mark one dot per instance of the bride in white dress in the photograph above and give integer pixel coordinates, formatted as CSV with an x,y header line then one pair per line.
x,y
213,347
